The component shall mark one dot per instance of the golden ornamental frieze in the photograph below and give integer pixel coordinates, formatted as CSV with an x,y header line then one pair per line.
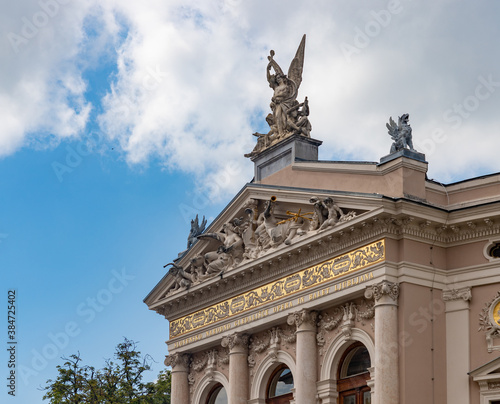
x,y
327,271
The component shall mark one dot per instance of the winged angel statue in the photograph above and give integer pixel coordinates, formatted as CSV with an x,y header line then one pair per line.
x,y
400,133
196,230
288,115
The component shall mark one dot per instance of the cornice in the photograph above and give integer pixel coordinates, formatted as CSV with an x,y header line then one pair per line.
x,y
364,168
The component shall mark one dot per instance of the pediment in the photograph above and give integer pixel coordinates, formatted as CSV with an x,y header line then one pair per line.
x,y
491,368
259,224
487,375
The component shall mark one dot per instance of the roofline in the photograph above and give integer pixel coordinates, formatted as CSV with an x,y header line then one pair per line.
x,y
462,181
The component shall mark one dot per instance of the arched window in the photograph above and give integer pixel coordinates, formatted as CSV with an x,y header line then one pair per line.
x,y
353,374
279,390
217,395
494,250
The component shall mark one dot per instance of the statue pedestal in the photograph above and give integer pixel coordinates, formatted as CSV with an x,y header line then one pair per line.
x,y
284,153
404,153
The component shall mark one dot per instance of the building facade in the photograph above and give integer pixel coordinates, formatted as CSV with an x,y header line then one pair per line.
x,y
339,282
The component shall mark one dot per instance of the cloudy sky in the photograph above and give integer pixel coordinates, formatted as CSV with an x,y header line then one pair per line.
x,y
121,120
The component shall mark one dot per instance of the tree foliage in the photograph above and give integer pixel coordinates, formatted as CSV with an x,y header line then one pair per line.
x,y
119,381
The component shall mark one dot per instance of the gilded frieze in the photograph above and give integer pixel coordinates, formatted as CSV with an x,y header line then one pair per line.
x,y
327,271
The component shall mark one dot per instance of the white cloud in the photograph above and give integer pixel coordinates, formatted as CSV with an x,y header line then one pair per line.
x,y
190,82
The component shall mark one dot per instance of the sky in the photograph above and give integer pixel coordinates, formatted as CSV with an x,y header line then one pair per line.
x,y
123,120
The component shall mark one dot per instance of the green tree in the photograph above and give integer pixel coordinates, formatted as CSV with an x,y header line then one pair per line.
x,y
158,392
119,381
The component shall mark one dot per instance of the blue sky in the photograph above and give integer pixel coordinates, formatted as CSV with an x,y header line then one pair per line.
x,y
123,120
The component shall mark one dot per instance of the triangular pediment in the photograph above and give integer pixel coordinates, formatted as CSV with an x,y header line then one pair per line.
x,y
259,224
489,371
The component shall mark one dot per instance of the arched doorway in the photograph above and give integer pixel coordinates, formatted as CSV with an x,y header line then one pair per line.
x,y
279,388
353,375
217,395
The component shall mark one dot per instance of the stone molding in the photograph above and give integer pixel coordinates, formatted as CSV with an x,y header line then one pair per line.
x,y
203,386
384,288
263,370
303,317
457,294
176,359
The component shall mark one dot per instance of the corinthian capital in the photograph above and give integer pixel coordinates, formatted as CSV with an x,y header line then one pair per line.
x,y
235,339
304,316
384,288
177,359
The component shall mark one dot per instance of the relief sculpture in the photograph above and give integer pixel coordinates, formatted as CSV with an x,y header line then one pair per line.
x,y
256,233
307,278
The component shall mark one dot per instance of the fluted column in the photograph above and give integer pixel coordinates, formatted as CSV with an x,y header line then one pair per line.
x,y
180,370
306,368
239,391
386,366
457,349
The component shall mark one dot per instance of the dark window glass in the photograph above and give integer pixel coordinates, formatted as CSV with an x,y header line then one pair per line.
x,y
281,383
495,251
356,362
218,396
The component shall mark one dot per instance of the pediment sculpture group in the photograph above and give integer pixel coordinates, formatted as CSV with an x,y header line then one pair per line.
x,y
253,235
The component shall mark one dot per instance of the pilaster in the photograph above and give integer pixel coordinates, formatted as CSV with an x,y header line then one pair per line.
x,y
457,344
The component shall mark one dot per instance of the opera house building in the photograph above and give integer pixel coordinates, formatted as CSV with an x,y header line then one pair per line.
x,y
328,282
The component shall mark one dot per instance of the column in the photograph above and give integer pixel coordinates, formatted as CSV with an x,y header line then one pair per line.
x,y
306,367
386,366
239,391
457,345
180,369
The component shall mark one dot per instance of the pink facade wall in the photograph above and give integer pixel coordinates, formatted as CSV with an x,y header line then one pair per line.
x,y
422,345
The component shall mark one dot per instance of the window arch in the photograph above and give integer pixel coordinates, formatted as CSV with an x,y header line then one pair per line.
x,y
264,371
217,395
280,386
353,375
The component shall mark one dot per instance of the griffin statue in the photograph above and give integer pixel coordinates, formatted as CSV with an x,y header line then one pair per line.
x,y
400,133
